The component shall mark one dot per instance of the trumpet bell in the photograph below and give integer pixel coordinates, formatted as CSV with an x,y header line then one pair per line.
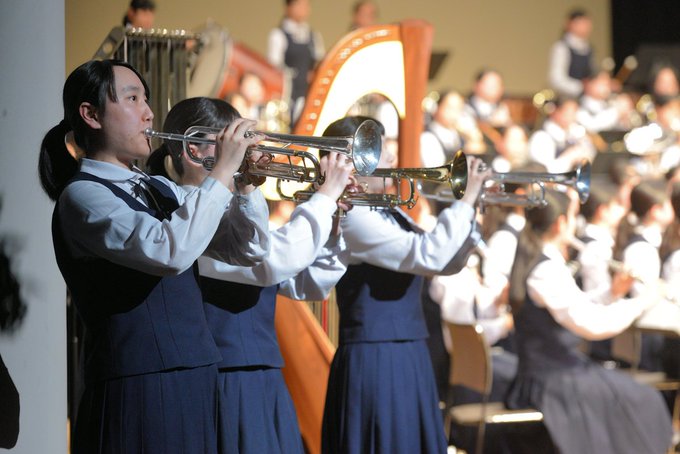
x,y
582,180
458,174
366,147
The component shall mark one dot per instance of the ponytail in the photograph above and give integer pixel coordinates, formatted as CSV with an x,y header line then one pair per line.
x,y
56,166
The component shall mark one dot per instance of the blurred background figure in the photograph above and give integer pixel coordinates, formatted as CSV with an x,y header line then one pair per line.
x,y
571,58
450,130
251,89
599,110
294,46
364,14
513,150
561,143
140,14
486,102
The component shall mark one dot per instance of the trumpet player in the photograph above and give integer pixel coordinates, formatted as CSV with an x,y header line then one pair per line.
x,y
256,411
382,350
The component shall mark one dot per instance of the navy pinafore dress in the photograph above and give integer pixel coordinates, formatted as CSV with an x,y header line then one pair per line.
x,y
586,407
257,414
382,395
148,357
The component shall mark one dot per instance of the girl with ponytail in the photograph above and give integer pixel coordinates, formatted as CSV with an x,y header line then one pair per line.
x,y
126,244
586,408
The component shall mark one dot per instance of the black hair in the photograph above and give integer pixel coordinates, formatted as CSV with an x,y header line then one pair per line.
x,y
530,245
358,4
656,69
201,111
347,126
577,13
602,191
483,72
643,197
92,82
149,5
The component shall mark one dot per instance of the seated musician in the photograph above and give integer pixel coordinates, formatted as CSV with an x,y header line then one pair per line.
x,y
597,109
486,103
140,14
450,130
513,149
561,143
657,144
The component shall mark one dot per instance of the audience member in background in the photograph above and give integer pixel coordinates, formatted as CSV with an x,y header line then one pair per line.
x,y
571,58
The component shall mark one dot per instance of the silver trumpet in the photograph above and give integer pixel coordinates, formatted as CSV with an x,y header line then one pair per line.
x,y
495,193
363,148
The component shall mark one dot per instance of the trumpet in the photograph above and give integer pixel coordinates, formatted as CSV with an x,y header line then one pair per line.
x,y
363,148
495,193
454,173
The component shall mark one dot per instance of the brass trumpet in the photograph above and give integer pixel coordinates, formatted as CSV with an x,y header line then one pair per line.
x,y
454,173
363,148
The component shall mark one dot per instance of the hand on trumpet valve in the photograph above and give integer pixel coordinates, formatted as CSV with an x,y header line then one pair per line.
x,y
337,173
478,172
231,145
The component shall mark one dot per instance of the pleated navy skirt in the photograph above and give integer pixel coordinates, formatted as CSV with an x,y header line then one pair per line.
x,y
257,414
593,409
382,398
173,412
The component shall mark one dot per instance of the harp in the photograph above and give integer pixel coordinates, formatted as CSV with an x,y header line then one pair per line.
x,y
391,60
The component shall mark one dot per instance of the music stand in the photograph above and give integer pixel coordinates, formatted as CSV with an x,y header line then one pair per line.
x,y
437,59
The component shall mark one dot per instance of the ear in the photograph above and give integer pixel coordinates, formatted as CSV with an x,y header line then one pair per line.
x,y
195,151
90,115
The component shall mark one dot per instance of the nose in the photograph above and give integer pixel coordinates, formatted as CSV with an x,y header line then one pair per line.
x,y
148,114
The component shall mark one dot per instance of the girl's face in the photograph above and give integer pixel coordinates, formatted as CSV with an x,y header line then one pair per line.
x,y
124,121
663,213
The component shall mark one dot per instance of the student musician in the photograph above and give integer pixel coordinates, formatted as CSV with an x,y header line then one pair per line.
x,y
639,237
126,244
670,273
586,408
382,396
256,412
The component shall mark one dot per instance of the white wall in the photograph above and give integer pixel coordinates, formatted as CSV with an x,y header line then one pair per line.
x,y
31,80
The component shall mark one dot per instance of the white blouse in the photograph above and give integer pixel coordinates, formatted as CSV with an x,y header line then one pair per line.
x,y
376,238
98,224
302,258
551,285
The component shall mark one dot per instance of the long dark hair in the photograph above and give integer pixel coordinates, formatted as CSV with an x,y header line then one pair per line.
x,y
539,221
671,240
209,112
643,197
92,82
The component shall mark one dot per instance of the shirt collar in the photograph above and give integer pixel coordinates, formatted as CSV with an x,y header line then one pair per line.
x,y
576,43
652,234
111,172
552,252
599,233
516,221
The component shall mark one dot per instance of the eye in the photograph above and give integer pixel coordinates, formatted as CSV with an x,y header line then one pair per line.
x,y
133,98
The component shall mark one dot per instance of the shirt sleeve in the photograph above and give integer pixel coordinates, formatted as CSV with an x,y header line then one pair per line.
x,y
98,224
431,152
374,238
294,246
276,47
558,73
317,280
551,285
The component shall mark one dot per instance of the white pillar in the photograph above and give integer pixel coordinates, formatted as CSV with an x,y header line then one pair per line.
x,y
31,81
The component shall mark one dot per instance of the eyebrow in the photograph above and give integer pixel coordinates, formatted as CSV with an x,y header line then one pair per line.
x,y
129,88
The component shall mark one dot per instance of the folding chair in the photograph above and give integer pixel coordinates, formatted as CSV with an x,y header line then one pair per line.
x,y
471,367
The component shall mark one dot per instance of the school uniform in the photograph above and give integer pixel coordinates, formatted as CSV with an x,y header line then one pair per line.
x,y
546,145
586,407
257,414
124,243
641,257
670,353
382,395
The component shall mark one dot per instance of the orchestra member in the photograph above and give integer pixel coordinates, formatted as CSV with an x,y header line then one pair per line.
x,y
140,14
295,47
598,111
256,412
126,244
382,395
571,58
561,143
586,408
486,103
364,14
